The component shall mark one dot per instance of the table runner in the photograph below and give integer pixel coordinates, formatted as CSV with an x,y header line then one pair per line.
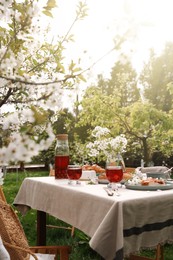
x,y
117,226
158,228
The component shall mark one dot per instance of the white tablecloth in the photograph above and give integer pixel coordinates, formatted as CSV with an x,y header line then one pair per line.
x,y
117,226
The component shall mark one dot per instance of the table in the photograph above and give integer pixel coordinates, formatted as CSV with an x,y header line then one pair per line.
x,y
117,225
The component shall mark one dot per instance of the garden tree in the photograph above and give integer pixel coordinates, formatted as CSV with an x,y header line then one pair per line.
x,y
98,109
102,84
170,87
33,74
65,122
60,123
62,120
147,129
102,100
123,83
145,126
156,76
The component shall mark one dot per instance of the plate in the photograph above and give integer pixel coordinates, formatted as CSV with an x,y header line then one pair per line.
x,y
103,181
169,180
123,181
166,186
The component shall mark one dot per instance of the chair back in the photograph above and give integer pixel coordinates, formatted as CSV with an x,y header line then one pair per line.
x,y
15,241
12,233
2,196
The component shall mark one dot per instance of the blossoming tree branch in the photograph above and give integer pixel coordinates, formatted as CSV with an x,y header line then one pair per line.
x,y
32,76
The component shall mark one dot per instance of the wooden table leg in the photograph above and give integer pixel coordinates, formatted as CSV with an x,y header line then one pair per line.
x,y
41,228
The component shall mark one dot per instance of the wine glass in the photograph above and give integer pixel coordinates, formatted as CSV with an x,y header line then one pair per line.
x,y
74,173
114,171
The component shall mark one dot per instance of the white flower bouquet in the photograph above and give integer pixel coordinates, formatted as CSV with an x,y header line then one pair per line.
x,y
105,146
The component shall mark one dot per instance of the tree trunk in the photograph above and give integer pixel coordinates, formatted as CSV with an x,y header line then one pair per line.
x,y
145,150
22,166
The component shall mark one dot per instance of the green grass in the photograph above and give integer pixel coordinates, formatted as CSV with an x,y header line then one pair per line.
x,y
79,243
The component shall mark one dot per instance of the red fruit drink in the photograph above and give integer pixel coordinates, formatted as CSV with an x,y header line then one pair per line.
x,y
74,173
114,173
61,164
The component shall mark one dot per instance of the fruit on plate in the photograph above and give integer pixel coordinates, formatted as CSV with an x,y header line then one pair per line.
x,y
152,181
145,182
93,167
87,167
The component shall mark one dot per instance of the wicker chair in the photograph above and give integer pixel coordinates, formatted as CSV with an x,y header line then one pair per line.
x,y
15,241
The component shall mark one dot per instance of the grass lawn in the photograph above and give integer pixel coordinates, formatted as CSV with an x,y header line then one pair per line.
x,y
79,243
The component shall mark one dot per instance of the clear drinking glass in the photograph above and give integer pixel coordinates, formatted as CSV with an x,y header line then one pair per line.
x,y
114,170
74,173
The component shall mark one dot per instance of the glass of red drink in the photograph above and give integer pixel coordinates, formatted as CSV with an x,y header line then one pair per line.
x,y
74,173
114,171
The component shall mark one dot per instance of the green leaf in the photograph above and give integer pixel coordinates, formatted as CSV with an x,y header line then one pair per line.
x,y
77,70
48,13
71,66
51,4
81,77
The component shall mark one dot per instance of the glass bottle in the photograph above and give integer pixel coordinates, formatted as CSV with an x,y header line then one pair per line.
x,y
61,156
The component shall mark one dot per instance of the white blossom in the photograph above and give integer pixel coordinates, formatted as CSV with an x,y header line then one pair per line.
x,y
100,131
19,66
11,119
23,148
105,146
